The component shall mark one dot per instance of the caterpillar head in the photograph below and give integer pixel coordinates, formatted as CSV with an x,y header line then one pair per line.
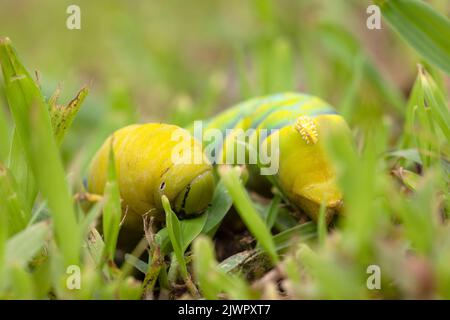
x,y
188,185
188,188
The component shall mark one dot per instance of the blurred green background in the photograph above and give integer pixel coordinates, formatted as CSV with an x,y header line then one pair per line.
x,y
178,60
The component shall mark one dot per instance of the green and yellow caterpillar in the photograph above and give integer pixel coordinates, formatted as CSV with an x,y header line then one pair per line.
x,y
305,176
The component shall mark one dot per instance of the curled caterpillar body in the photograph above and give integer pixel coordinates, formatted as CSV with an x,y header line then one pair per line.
x,y
301,123
147,169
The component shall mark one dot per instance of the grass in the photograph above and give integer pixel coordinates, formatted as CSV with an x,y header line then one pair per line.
x,y
394,174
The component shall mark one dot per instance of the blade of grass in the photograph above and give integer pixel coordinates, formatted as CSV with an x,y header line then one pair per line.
x,y
358,179
302,232
4,136
211,279
34,129
322,224
425,29
426,110
90,217
95,246
21,248
175,235
3,239
22,283
112,211
243,262
435,100
216,212
174,231
13,209
250,216
419,215
273,210
408,137
334,283
63,116
190,228
22,171
137,263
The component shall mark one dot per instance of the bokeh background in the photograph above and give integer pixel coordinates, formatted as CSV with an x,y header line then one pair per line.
x,y
176,60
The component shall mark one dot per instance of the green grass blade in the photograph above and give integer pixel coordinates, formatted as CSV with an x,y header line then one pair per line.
x,y
21,248
137,263
322,224
3,239
409,126
112,211
211,279
89,218
336,282
358,178
21,170
95,246
34,129
302,232
436,101
426,112
204,262
425,29
248,213
175,235
21,91
419,215
273,211
63,116
4,136
22,284
220,205
176,238
189,228
13,204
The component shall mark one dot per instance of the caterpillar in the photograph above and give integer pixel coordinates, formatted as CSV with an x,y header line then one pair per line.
x,y
145,169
